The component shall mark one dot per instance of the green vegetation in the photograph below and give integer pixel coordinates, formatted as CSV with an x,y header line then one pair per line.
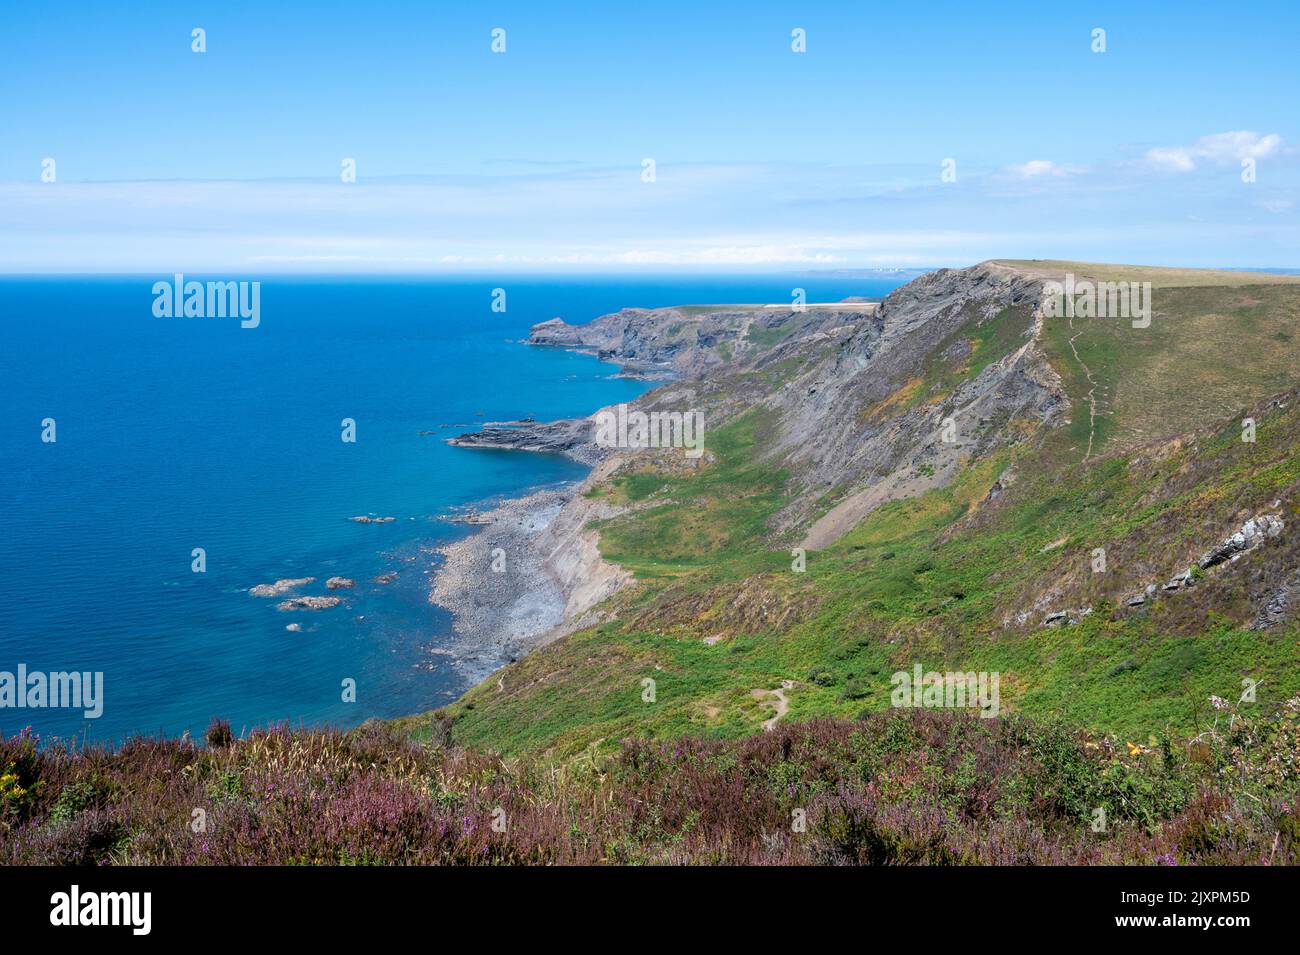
x,y
1203,357
947,579
768,337
698,520
961,356
909,787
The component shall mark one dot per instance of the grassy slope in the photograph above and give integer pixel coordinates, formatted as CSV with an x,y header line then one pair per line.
x,y
1158,277
1209,352
931,580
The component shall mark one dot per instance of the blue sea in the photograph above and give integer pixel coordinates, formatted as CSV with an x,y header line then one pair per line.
x,y
183,433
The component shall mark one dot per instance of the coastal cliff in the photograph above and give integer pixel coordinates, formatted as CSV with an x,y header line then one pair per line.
x,y
946,475
686,341
812,370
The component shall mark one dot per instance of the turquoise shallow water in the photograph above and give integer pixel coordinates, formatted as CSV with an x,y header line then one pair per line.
x,y
182,433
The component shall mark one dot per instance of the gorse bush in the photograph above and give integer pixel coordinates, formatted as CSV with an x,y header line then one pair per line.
x,y
20,777
908,787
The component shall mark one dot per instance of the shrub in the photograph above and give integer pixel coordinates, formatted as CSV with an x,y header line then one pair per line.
x,y
73,799
1122,667
89,839
856,688
219,734
907,787
821,676
20,775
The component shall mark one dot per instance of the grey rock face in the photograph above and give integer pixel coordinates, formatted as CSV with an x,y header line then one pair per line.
x,y
574,437
828,440
1066,617
1252,533
1278,607
814,373
1274,608
686,341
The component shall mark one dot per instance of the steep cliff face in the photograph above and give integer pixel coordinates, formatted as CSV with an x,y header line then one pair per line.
x,y
868,402
863,403
570,550
690,340
947,371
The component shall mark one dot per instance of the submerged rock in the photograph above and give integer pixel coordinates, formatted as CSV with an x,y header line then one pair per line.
x,y
280,586
309,603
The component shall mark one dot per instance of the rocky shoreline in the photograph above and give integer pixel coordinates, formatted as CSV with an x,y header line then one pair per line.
x,y
571,437
493,583
530,573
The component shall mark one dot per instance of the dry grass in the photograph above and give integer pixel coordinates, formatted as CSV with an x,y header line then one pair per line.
x,y
1158,277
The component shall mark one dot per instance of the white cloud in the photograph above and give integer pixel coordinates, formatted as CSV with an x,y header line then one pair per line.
x,y
715,215
1219,148
1042,168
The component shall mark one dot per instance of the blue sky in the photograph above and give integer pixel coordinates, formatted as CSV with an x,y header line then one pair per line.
x,y
229,160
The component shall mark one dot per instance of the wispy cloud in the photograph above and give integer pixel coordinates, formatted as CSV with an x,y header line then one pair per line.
x,y
1042,169
720,215
1219,149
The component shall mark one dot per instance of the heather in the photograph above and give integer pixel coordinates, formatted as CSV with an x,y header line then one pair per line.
x,y
900,787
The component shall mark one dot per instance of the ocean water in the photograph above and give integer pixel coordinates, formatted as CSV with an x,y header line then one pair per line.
x,y
183,433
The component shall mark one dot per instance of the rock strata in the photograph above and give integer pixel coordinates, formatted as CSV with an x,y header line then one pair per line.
x,y
1252,533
